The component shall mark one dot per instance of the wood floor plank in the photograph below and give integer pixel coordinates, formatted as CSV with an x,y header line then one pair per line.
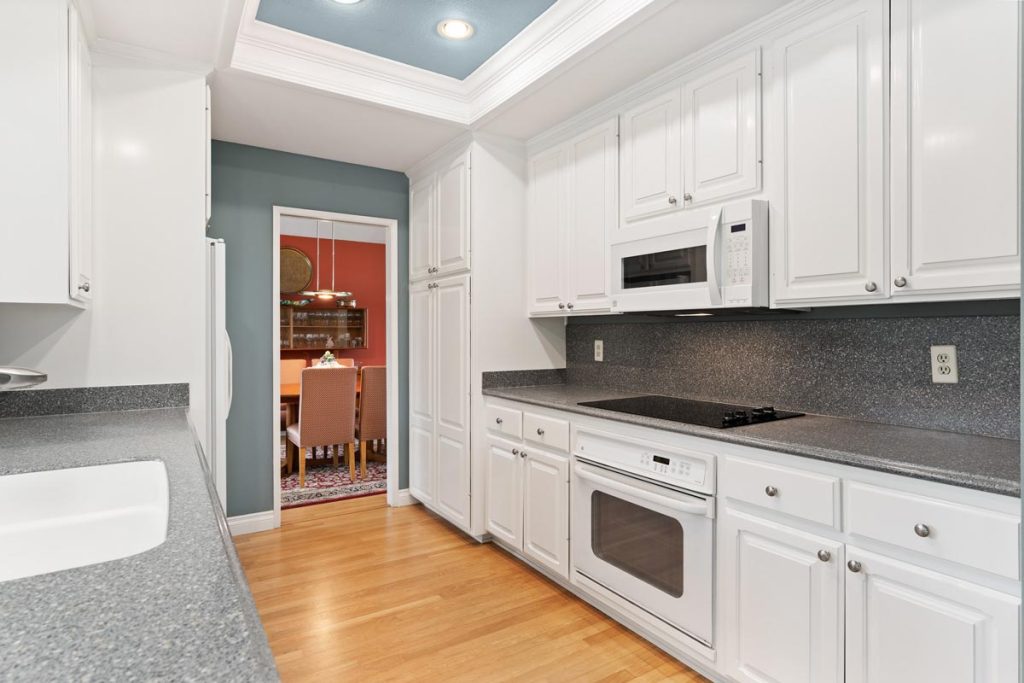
x,y
358,589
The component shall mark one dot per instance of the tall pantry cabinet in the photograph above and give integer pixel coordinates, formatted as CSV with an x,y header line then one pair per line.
x,y
466,287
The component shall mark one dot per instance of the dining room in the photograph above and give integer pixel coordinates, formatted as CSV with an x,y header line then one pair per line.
x,y
333,360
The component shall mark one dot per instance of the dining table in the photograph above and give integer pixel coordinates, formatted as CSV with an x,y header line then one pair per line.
x,y
291,391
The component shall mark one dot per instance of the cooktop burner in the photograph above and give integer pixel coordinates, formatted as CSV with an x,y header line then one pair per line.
x,y
705,413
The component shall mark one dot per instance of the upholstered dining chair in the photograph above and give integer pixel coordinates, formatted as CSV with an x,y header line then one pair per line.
x,y
373,409
291,371
346,362
327,415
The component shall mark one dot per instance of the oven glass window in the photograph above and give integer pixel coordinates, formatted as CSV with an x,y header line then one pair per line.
x,y
673,267
644,543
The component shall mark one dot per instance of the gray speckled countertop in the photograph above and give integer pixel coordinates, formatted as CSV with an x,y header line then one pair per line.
x,y
976,462
181,611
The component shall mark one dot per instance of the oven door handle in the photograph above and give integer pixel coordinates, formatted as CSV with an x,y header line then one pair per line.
x,y
703,508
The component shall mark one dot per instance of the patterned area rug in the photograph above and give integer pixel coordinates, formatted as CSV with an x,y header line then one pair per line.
x,y
324,484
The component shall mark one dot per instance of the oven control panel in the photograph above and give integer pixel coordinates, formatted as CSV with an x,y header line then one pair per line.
x,y
677,466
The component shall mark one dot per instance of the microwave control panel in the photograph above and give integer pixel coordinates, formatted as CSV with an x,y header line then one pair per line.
x,y
738,255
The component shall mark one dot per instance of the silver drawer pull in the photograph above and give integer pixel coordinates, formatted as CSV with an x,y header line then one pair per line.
x,y
824,555
540,431
498,420
771,491
515,451
854,566
922,530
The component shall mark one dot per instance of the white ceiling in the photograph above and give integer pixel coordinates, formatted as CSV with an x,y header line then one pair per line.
x,y
269,113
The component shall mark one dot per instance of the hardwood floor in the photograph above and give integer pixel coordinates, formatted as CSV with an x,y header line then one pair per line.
x,y
358,589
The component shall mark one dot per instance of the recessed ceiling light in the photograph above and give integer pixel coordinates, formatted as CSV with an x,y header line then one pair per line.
x,y
347,2
455,29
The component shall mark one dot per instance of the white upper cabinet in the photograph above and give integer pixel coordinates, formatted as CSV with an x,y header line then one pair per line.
x,y
572,212
955,125
545,233
593,193
452,240
439,223
652,161
721,132
905,624
46,165
422,227
828,229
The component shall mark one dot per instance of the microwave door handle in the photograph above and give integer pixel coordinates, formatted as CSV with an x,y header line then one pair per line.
x,y
702,508
714,288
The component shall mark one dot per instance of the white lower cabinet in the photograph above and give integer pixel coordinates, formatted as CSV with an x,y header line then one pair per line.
x,y
905,624
528,502
781,594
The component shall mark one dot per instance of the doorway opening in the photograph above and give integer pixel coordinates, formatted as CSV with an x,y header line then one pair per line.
x,y
335,312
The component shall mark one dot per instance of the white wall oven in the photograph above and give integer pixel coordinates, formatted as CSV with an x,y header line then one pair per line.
x,y
643,527
717,259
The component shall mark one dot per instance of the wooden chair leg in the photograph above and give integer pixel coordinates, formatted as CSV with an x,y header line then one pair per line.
x,y
334,457
350,453
362,460
302,467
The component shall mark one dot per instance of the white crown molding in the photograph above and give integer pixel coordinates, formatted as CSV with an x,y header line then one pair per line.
x,y
566,30
112,53
740,40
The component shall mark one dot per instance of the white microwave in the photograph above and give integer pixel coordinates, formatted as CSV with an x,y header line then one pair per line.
x,y
717,261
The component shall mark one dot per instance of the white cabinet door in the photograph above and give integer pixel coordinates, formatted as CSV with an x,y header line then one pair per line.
x,y
545,243
422,227
505,492
782,603
80,160
452,382
593,179
721,131
652,168
828,229
908,625
422,411
955,166
546,510
452,250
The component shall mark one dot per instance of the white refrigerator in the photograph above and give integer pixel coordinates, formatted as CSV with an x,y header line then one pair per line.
x,y
218,368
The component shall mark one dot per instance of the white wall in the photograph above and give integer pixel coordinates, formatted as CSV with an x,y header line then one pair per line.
x,y
146,322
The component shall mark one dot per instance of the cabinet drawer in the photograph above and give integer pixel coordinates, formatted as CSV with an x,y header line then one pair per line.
x,y
807,495
549,431
952,531
507,421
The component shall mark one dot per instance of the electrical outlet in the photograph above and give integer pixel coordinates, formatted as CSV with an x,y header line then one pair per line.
x,y
944,367
598,350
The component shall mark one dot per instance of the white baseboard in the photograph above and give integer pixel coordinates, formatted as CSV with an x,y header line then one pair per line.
x,y
404,498
250,524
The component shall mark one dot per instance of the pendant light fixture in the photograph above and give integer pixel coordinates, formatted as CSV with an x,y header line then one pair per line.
x,y
322,292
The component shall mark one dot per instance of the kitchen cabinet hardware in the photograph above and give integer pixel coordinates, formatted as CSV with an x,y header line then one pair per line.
x,y
922,530
871,287
824,555
854,566
900,281
771,491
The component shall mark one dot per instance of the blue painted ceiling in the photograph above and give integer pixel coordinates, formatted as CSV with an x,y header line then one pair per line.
x,y
406,30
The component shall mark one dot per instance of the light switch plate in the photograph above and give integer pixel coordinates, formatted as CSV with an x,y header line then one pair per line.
x,y
944,366
598,350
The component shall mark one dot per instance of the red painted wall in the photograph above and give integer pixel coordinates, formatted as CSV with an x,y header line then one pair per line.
x,y
360,268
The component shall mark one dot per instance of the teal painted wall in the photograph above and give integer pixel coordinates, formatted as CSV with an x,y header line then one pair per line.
x,y
247,183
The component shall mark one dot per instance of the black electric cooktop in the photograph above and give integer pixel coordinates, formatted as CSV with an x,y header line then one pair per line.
x,y
705,413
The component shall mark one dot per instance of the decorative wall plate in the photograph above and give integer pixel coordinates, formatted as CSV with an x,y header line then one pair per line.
x,y
296,270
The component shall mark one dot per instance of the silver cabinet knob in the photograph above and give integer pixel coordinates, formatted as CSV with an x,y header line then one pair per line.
x,y
871,287
687,197
854,566
84,287
922,530
498,420
540,431
561,306
522,454
771,491
824,555
900,281
515,451
569,306
672,200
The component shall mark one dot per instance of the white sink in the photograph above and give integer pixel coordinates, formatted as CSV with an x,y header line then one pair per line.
x,y
79,516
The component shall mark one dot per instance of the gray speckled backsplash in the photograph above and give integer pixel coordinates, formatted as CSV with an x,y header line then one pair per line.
x,y
875,369
31,402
